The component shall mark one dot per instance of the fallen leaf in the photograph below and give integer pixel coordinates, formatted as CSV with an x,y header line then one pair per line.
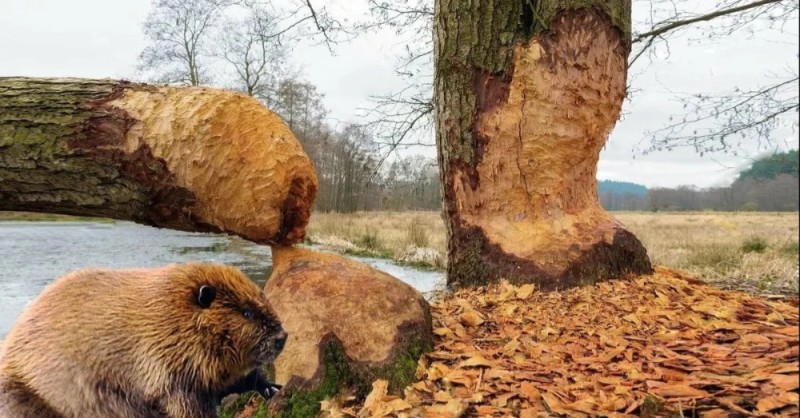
x,y
443,331
789,331
606,350
476,361
779,401
552,403
502,400
398,405
785,382
379,389
452,409
529,391
525,291
679,390
471,318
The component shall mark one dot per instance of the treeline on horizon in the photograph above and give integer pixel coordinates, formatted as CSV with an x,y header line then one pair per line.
x,y
412,183
770,184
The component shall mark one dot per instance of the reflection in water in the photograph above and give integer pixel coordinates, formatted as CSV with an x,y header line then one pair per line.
x,y
33,254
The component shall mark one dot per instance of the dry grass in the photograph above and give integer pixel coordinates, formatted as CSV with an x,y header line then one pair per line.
x,y
47,217
754,251
390,233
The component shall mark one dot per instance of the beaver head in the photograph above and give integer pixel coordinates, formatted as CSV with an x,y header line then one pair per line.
x,y
234,328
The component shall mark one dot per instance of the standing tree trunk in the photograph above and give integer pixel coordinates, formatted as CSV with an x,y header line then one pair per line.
x,y
194,159
526,95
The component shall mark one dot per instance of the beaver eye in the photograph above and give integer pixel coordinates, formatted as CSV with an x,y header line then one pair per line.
x,y
248,313
206,295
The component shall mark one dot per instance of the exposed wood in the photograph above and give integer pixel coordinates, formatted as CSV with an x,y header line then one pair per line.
x,y
526,96
194,159
348,325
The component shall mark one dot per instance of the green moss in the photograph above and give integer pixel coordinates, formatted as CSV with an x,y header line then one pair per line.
x,y
262,410
338,374
401,373
306,403
40,118
230,410
651,407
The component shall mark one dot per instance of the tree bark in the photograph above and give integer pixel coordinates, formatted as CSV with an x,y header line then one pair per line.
x,y
194,159
526,94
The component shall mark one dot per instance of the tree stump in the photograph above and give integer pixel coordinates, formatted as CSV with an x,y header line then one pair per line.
x,y
348,325
188,158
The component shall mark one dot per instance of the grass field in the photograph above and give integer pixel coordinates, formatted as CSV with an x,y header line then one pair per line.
x,y
47,217
752,251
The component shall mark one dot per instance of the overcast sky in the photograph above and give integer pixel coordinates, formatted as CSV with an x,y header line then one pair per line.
x,y
102,38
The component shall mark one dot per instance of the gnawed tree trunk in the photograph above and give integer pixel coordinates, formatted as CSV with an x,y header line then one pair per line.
x,y
194,159
526,95
348,325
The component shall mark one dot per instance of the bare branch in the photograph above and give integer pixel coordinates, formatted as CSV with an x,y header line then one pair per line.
x,y
724,123
667,26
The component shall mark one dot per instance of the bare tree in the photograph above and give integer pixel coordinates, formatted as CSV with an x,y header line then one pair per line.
x,y
723,122
405,117
307,19
177,31
254,46
300,104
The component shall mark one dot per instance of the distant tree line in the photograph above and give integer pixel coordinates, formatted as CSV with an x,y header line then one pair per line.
x,y
770,184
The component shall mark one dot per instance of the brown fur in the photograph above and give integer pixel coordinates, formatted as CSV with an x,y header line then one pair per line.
x,y
135,343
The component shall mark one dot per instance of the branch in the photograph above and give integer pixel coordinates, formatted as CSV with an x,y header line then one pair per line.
x,y
747,114
706,17
320,27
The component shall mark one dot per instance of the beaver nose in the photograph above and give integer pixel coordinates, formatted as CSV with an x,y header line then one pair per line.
x,y
280,340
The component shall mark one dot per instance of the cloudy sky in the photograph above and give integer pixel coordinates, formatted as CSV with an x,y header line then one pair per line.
x,y
102,38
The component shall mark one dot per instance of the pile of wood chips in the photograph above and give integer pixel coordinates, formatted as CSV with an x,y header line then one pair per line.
x,y
658,345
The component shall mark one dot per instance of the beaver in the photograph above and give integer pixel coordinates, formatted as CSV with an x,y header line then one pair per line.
x,y
165,342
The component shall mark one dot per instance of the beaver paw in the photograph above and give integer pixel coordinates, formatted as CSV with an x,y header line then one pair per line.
x,y
269,390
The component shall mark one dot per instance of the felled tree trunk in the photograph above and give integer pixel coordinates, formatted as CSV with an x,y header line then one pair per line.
x,y
526,95
194,159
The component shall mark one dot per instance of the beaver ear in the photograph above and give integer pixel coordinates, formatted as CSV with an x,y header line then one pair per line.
x,y
206,295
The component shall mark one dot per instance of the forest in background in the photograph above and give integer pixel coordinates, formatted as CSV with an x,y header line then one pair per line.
x,y
355,183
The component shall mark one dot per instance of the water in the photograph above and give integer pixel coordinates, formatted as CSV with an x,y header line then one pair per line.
x,y
33,254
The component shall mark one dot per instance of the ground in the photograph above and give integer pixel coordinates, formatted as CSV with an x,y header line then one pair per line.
x,y
752,251
658,345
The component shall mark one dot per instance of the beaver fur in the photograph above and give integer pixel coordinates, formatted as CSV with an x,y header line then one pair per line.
x,y
165,342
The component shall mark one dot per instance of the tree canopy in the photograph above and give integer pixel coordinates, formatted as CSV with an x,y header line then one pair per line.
x,y
771,166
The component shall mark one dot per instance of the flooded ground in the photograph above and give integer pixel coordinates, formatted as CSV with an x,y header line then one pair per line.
x,y
33,254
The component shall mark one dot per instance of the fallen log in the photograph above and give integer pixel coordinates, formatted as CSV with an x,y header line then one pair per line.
x,y
187,158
